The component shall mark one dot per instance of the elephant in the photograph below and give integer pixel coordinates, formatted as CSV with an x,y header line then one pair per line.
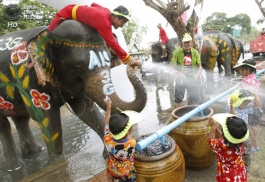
x,y
227,48
209,53
156,49
41,71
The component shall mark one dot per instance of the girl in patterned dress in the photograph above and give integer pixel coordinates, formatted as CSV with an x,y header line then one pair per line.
x,y
228,143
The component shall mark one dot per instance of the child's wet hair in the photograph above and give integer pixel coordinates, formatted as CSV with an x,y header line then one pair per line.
x,y
244,93
118,122
237,127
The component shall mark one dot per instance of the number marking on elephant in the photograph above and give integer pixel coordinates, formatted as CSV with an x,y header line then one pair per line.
x,y
9,43
108,87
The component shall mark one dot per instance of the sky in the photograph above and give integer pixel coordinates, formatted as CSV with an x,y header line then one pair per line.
x,y
150,17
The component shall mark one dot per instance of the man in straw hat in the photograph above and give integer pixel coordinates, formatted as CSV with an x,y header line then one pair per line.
x,y
101,19
163,39
228,143
185,60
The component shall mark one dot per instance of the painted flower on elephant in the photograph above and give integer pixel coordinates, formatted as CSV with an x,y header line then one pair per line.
x,y
4,104
19,54
40,99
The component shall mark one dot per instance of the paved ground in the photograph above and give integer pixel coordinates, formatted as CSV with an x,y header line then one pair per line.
x,y
74,168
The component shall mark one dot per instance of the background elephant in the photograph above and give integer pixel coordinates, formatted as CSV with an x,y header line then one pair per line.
x,y
156,50
227,48
209,53
71,65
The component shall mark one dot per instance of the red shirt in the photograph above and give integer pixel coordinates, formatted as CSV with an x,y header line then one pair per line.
x,y
230,165
96,17
163,35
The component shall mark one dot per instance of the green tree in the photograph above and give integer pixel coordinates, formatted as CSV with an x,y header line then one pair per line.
x,y
246,38
133,32
220,21
41,16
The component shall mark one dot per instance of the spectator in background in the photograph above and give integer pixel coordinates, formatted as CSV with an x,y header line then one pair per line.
x,y
163,40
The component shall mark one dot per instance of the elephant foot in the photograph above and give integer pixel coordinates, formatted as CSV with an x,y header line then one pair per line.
x,y
159,86
14,164
32,148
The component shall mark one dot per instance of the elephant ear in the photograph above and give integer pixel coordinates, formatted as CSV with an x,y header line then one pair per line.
x,y
40,51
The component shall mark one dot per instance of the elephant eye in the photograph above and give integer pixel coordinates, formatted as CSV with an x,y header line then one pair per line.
x,y
77,69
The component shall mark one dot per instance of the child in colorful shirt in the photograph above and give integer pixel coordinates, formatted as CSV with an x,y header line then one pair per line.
x,y
119,143
251,82
241,104
228,144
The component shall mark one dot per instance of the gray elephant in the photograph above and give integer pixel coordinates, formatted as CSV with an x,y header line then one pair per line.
x,y
209,53
69,65
156,49
227,48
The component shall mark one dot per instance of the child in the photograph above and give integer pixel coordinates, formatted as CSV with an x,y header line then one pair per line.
x,y
247,69
120,145
229,146
241,104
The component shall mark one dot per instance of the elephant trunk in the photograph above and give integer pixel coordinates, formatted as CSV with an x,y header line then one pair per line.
x,y
100,86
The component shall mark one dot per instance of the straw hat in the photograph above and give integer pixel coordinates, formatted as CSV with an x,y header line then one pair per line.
x,y
186,38
240,96
128,17
221,118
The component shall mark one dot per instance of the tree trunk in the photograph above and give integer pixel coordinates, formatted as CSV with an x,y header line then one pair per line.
x,y
172,12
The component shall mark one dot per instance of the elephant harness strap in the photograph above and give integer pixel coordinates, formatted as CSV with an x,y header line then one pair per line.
x,y
41,63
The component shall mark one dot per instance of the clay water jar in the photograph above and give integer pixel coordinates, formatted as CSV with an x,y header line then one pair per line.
x,y
166,167
192,138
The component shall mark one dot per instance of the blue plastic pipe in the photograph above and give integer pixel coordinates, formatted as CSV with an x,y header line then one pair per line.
x,y
159,134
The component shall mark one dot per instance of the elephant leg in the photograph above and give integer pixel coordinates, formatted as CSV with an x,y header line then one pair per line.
x,y
219,65
89,115
13,157
26,138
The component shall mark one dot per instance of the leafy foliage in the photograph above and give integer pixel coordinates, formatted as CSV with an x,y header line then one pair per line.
x,y
133,32
23,23
220,21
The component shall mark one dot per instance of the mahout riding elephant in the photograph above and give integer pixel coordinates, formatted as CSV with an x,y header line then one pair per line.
x,y
227,48
41,70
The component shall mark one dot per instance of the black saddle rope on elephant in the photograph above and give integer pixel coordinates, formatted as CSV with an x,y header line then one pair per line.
x,y
159,44
66,104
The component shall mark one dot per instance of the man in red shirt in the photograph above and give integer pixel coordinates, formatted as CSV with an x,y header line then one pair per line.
x,y
101,19
163,37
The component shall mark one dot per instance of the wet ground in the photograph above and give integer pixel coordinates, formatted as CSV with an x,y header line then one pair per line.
x,y
82,159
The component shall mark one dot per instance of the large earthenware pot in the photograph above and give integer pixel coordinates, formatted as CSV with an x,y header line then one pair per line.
x,y
192,138
165,167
